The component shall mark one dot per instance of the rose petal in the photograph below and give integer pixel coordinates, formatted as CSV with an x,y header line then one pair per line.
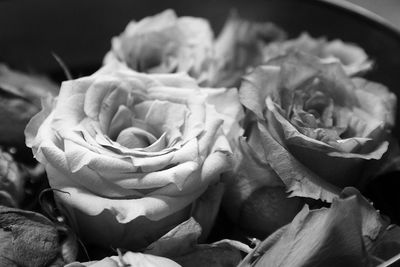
x,y
377,100
178,241
257,85
298,179
143,260
315,238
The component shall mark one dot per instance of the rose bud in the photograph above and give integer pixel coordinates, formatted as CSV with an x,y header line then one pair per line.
x,y
30,239
353,58
132,152
165,43
20,96
335,236
311,129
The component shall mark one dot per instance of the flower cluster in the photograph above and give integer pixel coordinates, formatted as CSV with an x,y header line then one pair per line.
x,y
181,139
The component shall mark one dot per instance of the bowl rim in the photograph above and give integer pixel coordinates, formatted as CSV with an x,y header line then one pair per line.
x,y
362,13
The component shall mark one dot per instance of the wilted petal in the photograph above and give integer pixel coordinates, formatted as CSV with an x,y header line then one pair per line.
x,y
325,237
28,239
299,180
178,241
377,100
219,254
129,259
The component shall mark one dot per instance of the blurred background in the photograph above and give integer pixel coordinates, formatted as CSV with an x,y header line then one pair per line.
x,y
389,9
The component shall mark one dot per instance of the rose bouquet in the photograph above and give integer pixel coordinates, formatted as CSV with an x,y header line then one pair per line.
x,y
248,149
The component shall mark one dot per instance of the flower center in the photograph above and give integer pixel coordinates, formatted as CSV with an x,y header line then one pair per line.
x,y
134,137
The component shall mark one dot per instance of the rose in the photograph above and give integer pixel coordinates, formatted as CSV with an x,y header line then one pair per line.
x,y
310,130
165,43
329,122
353,58
130,152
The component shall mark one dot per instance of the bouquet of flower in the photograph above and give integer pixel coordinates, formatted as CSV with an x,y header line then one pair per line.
x,y
189,149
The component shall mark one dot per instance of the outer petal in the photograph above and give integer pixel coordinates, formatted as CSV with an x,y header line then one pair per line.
x,y
324,237
377,100
298,179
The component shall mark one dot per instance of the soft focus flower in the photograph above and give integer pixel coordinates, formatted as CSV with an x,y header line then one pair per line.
x,y
337,236
310,130
165,43
352,57
19,101
133,151
30,239
239,47
12,181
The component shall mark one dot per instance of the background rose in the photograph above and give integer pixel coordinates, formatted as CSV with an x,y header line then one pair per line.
x,y
310,130
352,57
330,123
165,43
132,151
19,102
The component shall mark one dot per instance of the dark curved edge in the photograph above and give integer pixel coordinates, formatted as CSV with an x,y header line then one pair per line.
x,y
362,13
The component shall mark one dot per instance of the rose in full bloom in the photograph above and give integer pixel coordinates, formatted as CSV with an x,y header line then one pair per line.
x,y
310,131
131,153
165,43
352,57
